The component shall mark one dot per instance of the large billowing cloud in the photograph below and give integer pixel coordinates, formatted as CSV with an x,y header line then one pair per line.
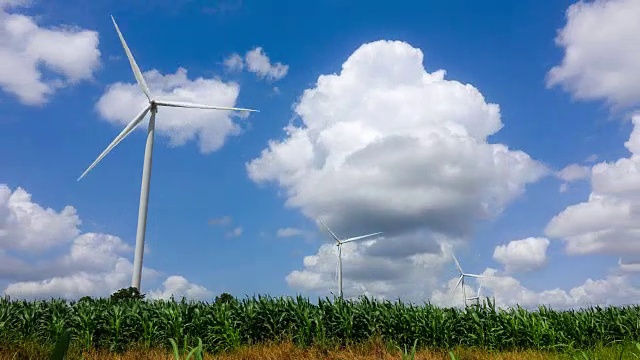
x,y
43,254
28,51
387,146
123,101
601,52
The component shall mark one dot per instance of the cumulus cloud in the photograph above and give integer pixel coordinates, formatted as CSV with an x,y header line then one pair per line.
x,y
257,62
522,255
43,254
123,101
600,64
507,291
387,146
234,62
33,67
367,272
606,223
26,226
178,287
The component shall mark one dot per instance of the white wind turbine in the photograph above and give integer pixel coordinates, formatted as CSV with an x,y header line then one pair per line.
x,y
148,151
477,297
461,279
339,244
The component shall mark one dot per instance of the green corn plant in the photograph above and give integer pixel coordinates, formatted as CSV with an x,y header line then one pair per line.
x,y
226,325
62,346
410,355
196,352
637,356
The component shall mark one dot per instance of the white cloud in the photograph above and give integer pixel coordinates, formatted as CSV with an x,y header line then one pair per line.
x,y
289,232
26,226
43,254
27,50
602,63
367,271
387,146
235,232
522,255
607,222
178,287
123,101
234,62
629,265
417,278
508,291
257,62
574,172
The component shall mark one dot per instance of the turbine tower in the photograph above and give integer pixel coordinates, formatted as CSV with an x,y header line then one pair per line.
x,y
339,244
153,105
461,279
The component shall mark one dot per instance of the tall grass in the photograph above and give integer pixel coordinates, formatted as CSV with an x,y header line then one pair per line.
x,y
119,325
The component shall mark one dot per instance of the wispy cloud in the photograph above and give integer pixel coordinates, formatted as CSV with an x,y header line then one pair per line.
x,y
289,232
257,62
234,233
221,221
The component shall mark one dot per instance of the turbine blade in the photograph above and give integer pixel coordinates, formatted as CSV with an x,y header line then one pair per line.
x,y
457,263
458,283
360,237
136,70
198,106
123,134
330,232
473,275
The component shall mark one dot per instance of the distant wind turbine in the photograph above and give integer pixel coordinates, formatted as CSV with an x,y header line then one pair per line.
x,y
339,244
148,151
477,297
461,279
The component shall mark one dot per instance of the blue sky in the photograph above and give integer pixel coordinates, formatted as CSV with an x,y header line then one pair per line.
x,y
504,49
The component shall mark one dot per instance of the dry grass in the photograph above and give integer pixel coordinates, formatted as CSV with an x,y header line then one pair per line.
x,y
287,351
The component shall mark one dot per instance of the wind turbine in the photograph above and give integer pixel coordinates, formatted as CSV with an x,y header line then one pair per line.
x,y
153,105
339,244
461,279
477,297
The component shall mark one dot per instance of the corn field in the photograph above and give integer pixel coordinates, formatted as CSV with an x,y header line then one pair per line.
x,y
118,325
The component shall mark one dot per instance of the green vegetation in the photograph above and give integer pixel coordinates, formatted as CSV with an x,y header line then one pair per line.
x,y
123,323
